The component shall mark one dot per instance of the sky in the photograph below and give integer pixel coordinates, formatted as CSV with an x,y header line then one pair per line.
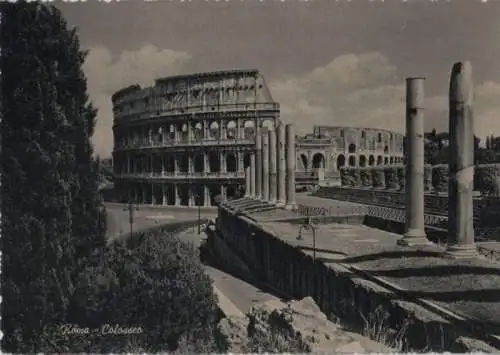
x,y
326,62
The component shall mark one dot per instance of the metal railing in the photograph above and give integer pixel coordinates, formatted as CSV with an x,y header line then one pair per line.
x,y
183,175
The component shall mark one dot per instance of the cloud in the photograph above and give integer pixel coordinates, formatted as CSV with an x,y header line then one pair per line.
x,y
106,74
366,90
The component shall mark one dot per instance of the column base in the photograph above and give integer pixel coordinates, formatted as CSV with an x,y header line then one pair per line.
x,y
272,201
280,203
414,237
456,251
291,206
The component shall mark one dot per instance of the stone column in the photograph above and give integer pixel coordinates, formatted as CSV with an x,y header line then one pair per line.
x,y
281,165
272,167
164,194
252,175
258,166
290,166
177,195
247,181
415,226
191,196
265,167
461,164
206,191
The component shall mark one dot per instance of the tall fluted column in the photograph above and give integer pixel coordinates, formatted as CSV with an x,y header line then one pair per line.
x,y
258,166
281,165
247,181
415,224
272,167
265,167
461,163
252,175
290,166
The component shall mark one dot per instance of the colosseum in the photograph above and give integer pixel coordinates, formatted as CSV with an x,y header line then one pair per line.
x,y
189,138
333,147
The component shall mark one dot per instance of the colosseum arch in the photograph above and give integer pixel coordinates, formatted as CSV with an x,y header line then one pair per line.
x,y
246,160
379,160
214,162
231,191
199,163
391,160
352,148
362,161
386,149
249,129
170,163
231,163
184,131
318,161
305,162
214,191
386,161
352,160
214,130
199,195
340,161
232,132
198,131
182,160
371,160
269,124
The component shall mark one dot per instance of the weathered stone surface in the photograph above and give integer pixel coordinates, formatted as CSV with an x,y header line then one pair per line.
x,y
304,322
469,345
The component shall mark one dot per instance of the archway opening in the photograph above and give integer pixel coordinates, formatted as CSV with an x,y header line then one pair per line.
x,y
170,163
340,161
231,164
184,132
214,162
371,160
386,161
170,195
391,160
183,194
214,191
199,164
249,129
199,195
352,148
352,160
246,161
379,160
305,163
386,149
183,163
362,161
214,130
231,192
231,130
198,131
318,161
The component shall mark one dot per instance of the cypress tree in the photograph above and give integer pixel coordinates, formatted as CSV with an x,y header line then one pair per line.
x,y
52,217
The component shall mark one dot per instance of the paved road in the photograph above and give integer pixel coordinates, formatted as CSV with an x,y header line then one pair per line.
x,y
242,294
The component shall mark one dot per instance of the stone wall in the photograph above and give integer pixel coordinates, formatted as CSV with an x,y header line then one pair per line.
x,y
333,287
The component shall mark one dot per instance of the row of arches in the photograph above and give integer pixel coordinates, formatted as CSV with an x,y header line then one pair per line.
x,y
363,161
213,162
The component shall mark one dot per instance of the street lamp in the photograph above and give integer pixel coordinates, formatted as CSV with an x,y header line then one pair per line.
x,y
131,209
308,225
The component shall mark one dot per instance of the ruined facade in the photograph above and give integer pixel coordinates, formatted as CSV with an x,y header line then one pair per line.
x,y
333,147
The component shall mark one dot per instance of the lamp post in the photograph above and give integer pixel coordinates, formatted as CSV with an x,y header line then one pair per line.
x,y
131,209
308,225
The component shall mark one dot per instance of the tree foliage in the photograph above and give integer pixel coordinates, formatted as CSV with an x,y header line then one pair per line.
x,y
52,217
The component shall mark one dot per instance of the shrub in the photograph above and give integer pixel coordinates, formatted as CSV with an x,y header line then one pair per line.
x,y
440,177
390,176
366,177
378,177
400,173
355,176
344,179
155,281
487,179
427,177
